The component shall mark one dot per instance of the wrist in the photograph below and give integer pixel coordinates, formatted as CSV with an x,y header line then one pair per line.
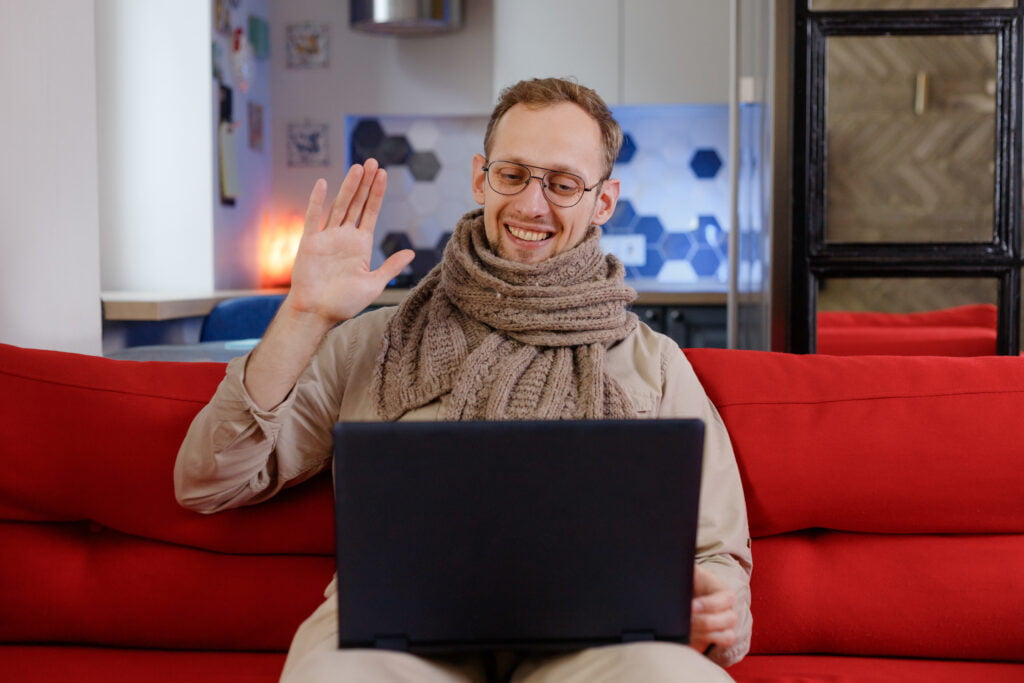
x,y
303,320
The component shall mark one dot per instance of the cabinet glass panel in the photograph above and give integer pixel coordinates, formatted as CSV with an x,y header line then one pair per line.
x,y
911,123
858,5
907,316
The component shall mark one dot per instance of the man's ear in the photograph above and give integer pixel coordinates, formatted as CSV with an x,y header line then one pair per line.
x,y
478,178
607,198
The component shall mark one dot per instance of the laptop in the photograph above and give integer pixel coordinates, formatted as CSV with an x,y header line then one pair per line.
x,y
543,535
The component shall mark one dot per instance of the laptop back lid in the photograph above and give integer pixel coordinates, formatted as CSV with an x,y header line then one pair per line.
x,y
456,536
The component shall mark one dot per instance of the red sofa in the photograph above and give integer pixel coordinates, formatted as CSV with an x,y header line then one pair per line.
x,y
959,331
886,500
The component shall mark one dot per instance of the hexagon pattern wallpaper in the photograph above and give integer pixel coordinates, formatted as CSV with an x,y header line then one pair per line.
x,y
671,226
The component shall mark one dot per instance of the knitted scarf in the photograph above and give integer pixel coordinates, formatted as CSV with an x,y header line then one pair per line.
x,y
507,340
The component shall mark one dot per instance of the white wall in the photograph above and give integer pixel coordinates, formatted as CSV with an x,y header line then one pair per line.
x,y
49,225
371,74
155,140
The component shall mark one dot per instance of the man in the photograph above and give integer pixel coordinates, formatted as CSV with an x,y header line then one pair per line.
x,y
524,318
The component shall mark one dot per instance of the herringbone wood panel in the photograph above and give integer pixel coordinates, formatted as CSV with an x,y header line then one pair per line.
x,y
894,175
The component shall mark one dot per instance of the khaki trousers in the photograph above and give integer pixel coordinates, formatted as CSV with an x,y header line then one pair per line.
x,y
314,658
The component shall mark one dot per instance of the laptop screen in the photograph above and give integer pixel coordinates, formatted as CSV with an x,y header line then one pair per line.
x,y
460,536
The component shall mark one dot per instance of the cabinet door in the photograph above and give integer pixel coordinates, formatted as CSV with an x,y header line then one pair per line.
x,y
675,51
541,38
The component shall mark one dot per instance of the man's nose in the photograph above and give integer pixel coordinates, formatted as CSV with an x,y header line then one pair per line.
x,y
532,197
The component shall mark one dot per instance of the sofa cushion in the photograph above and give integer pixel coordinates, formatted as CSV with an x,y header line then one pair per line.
x,y
81,583
932,340
971,315
90,438
959,331
942,596
873,444
828,669
45,664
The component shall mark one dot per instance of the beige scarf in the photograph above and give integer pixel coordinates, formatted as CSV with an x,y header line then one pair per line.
x,y
508,340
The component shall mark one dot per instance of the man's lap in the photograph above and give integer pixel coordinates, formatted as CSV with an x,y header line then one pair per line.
x,y
314,656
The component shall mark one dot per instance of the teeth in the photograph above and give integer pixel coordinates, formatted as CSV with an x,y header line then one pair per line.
x,y
528,235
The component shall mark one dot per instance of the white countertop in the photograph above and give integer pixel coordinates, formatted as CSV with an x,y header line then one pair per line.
x,y
154,306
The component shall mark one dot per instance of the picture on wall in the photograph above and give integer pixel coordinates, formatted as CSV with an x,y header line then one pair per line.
x,y
307,46
307,144
221,17
259,37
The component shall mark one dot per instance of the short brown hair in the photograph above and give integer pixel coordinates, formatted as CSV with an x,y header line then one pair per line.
x,y
546,91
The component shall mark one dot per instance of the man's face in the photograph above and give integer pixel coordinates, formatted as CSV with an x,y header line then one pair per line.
x,y
526,227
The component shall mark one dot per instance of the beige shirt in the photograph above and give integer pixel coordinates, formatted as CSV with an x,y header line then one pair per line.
x,y
237,454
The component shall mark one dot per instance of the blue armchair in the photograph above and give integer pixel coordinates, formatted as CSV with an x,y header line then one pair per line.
x,y
245,317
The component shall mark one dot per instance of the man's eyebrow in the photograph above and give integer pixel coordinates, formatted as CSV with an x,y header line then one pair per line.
x,y
562,169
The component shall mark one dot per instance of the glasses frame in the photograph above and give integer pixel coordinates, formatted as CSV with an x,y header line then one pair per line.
x,y
541,178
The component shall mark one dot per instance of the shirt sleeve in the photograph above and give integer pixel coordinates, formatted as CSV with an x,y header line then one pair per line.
x,y
238,454
723,536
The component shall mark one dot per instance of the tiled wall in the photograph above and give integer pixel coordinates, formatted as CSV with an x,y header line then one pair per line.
x,y
672,222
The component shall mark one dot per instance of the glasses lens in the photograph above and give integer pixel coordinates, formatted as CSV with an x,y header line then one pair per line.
x,y
506,177
563,189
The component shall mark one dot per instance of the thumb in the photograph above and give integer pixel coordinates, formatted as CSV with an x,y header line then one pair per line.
x,y
395,264
704,582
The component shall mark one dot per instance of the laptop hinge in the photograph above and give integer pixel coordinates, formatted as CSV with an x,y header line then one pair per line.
x,y
637,636
397,641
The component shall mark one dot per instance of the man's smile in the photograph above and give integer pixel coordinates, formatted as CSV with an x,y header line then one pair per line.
x,y
526,234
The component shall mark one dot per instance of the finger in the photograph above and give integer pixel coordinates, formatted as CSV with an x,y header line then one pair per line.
x,y
714,622
348,188
315,207
374,201
715,602
723,639
394,265
355,207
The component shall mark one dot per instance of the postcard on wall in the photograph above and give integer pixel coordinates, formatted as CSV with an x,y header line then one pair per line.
x,y
255,126
307,144
221,17
307,46
259,37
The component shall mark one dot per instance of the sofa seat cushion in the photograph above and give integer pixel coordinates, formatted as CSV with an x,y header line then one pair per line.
x,y
77,664
873,444
74,664
829,669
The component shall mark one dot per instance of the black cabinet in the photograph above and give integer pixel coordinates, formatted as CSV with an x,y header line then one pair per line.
x,y
689,326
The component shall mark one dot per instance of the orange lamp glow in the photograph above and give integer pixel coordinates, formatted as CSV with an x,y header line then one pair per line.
x,y
279,241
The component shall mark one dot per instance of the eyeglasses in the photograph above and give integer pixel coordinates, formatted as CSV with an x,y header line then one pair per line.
x,y
561,188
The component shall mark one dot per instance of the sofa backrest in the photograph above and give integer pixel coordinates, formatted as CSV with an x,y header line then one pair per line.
x,y
968,330
95,547
886,498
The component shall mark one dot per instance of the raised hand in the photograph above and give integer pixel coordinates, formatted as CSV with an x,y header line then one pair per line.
x,y
331,281
331,277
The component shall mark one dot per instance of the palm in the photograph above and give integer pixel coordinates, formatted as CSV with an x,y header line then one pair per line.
x,y
332,277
